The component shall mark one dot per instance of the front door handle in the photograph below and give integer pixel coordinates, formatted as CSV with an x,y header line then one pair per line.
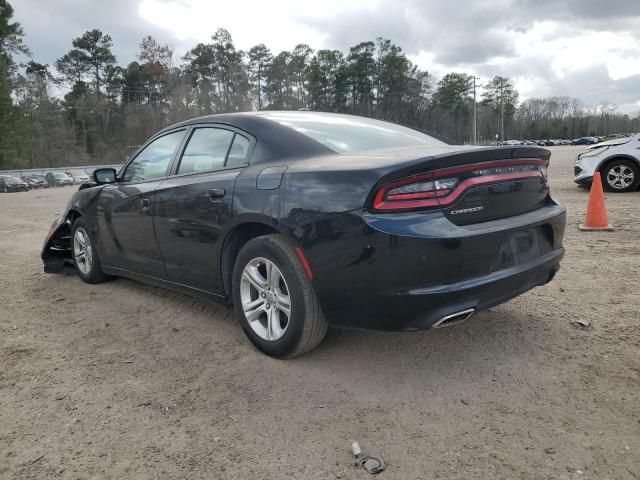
x,y
216,193
145,203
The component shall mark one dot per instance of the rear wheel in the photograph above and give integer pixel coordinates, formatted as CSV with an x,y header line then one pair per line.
x,y
85,256
621,175
274,299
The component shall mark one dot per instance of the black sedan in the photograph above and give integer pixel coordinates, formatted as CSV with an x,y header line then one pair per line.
x,y
303,220
36,181
10,183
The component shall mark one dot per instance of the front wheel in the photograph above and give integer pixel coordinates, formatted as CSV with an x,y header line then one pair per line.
x,y
621,175
85,256
274,298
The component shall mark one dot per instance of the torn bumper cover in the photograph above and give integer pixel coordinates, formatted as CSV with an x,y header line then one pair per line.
x,y
56,251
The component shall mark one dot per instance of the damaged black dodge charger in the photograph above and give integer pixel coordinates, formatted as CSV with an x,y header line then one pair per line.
x,y
303,220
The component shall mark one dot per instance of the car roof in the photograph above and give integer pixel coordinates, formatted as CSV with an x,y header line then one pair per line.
x,y
276,139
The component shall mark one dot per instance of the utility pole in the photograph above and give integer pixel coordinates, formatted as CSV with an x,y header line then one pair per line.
x,y
259,91
475,113
501,110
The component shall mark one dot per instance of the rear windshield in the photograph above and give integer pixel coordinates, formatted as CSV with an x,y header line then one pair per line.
x,y
346,133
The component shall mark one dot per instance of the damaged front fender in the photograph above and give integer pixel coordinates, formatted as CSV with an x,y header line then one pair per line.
x,y
56,251
57,248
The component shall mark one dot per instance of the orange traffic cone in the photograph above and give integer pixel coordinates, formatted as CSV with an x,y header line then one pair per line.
x,y
596,217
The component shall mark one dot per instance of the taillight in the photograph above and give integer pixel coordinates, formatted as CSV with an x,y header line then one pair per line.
x,y
443,186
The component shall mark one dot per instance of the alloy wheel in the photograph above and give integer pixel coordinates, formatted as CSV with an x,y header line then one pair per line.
x,y
82,251
266,300
620,177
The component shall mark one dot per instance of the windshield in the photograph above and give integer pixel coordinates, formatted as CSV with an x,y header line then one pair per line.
x,y
60,175
347,133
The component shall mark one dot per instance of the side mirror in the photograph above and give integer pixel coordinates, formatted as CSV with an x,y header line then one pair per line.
x,y
104,175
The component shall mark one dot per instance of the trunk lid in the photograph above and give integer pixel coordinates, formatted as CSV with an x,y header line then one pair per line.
x,y
493,182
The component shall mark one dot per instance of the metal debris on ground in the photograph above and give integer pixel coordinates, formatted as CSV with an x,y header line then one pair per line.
x,y
371,464
581,322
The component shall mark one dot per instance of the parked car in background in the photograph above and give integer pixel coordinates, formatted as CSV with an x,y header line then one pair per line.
x,y
79,177
585,141
9,183
36,181
617,160
58,179
305,219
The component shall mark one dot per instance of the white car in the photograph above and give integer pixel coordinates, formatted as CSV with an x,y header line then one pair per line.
x,y
79,177
618,162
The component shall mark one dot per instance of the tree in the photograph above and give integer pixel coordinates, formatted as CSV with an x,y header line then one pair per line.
x,y
279,84
15,131
11,34
260,58
91,54
231,77
73,66
327,81
361,67
298,67
393,74
502,98
108,108
152,53
453,96
156,64
50,136
200,68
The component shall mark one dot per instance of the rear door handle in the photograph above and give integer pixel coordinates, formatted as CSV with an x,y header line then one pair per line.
x,y
215,193
145,202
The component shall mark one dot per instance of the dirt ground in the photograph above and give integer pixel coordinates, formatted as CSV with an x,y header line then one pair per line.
x,y
125,381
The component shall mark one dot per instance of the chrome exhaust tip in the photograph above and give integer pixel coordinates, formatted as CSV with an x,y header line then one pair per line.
x,y
454,318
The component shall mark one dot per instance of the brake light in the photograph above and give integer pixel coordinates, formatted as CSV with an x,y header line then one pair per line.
x,y
442,187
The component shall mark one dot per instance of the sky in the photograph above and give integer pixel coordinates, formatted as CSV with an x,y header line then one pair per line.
x,y
588,49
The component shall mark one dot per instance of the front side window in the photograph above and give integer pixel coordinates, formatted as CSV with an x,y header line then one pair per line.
x,y
206,151
152,162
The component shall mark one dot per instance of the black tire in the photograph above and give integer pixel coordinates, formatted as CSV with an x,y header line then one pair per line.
x,y
306,326
94,273
608,175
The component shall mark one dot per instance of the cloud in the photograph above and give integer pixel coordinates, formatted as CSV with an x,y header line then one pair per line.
x,y
586,48
51,25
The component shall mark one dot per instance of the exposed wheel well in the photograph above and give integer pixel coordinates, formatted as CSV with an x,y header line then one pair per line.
x,y
234,241
72,216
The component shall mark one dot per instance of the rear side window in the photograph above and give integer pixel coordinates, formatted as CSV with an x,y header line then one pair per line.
x,y
238,151
206,151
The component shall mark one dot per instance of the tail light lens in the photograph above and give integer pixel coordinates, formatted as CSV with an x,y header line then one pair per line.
x,y
442,187
424,189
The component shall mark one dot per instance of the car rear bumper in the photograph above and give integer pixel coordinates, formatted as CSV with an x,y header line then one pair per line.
x,y
408,271
476,294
